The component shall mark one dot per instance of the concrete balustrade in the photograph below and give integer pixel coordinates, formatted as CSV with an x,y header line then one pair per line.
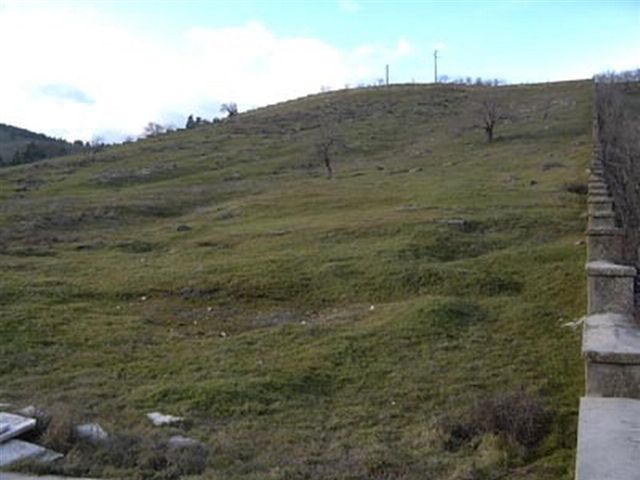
x,y
609,419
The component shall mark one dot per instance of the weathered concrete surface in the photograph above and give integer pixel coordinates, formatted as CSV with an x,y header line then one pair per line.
x,y
13,425
612,380
611,338
601,220
605,244
599,203
610,288
15,450
608,439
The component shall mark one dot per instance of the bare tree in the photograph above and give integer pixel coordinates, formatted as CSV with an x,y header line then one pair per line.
x,y
490,117
329,142
231,109
153,129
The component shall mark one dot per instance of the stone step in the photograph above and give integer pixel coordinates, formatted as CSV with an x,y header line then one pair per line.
x,y
608,439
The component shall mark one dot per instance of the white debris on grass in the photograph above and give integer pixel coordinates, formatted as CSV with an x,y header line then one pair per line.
x,y
160,419
92,432
574,324
179,441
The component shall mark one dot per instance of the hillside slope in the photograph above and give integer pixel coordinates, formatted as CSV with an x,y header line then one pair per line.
x,y
305,327
30,146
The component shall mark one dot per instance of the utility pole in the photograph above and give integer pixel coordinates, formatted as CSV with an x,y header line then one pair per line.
x,y
435,66
387,74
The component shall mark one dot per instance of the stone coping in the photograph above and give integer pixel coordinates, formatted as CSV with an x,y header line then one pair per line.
x,y
608,439
611,338
603,268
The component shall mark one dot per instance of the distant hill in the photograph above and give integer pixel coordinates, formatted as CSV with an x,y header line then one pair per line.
x,y
18,145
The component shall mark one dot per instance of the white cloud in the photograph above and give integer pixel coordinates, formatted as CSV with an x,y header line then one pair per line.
x,y
350,6
76,73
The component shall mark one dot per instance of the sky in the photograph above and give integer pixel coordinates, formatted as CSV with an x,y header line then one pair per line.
x,y
89,69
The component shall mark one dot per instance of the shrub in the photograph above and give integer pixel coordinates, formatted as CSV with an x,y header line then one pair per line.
x,y
519,417
58,427
579,188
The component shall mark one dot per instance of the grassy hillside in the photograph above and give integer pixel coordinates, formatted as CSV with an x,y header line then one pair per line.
x,y
362,327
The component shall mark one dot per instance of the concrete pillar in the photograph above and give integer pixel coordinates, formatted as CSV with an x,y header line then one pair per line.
x,y
610,288
599,203
599,220
611,349
605,244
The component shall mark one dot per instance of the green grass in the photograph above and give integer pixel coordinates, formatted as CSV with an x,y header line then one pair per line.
x,y
310,328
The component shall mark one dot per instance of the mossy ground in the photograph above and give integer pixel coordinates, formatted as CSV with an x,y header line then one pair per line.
x,y
310,328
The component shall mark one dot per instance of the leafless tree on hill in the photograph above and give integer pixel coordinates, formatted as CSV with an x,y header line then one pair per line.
x,y
153,129
490,117
328,143
230,109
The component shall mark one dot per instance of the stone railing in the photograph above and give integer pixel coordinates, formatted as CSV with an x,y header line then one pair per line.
x,y
609,421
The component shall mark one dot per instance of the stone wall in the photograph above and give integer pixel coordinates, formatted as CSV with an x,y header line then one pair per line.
x,y
609,422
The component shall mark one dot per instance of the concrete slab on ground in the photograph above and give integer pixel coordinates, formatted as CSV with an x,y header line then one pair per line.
x,y
608,439
12,425
16,450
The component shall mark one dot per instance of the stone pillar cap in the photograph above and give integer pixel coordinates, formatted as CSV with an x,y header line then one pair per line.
x,y
607,269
